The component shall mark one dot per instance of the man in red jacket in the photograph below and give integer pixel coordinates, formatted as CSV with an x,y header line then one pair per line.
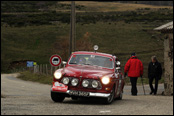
x,y
134,68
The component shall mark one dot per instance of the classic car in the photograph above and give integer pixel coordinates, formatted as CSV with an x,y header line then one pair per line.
x,y
89,74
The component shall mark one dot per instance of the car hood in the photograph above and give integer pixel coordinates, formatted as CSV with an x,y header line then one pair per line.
x,y
86,71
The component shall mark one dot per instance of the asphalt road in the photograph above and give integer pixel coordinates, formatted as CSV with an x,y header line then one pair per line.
x,y
25,97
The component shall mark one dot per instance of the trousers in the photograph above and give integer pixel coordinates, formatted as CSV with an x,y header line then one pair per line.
x,y
133,81
156,84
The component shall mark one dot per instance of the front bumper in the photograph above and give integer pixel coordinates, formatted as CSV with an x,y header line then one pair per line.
x,y
63,90
91,94
94,94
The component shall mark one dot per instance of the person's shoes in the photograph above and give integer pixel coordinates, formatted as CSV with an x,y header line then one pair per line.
x,y
154,93
151,92
134,94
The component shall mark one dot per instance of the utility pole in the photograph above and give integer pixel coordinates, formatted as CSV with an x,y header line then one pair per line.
x,y
73,28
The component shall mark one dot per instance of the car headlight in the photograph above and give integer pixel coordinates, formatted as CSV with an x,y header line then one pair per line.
x,y
94,84
85,83
74,82
105,80
65,80
57,75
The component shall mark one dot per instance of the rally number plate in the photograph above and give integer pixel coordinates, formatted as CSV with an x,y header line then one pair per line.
x,y
79,93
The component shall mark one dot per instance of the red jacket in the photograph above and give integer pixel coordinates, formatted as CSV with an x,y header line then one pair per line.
x,y
134,67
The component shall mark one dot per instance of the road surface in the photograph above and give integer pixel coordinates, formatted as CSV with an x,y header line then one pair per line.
x,y
29,98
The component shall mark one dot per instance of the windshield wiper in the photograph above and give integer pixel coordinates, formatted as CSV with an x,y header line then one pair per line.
x,y
87,64
72,63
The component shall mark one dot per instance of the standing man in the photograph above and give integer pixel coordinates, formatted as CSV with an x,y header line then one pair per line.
x,y
134,68
154,72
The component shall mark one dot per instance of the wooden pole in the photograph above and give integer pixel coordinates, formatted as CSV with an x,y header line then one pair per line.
x,y
72,30
44,72
40,68
46,69
34,69
37,68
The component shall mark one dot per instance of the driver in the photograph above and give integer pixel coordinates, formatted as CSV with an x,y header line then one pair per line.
x,y
82,61
107,63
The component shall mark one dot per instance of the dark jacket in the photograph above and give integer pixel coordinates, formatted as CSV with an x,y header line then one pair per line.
x,y
134,67
154,70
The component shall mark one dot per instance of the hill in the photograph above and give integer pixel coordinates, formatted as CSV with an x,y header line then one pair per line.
x,y
91,6
36,35
156,3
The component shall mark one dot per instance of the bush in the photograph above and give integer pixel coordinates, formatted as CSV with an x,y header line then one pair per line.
x,y
86,18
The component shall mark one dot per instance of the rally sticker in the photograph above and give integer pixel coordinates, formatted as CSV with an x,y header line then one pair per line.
x,y
59,87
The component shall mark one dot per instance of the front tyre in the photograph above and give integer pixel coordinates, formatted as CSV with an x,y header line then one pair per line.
x,y
56,97
74,98
110,99
120,96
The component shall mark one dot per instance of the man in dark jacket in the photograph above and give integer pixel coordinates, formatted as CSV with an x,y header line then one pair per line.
x,y
154,72
134,68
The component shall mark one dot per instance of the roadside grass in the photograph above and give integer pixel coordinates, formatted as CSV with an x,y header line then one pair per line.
x,y
38,43
29,43
28,76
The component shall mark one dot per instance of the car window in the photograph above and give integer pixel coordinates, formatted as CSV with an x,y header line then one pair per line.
x,y
93,60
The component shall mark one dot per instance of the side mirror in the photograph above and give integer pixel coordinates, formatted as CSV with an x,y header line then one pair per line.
x,y
64,63
118,63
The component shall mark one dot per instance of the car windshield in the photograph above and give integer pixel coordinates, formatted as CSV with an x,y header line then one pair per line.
x,y
93,60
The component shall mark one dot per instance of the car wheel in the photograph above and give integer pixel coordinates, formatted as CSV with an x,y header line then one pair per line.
x,y
56,97
110,99
120,96
74,98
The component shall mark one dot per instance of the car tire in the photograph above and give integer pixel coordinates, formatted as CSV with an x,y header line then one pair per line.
x,y
56,97
74,98
110,99
120,96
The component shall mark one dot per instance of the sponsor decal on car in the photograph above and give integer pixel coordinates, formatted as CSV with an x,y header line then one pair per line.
x,y
59,87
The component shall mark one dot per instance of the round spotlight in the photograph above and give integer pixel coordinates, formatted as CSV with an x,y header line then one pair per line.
x,y
74,82
85,83
94,84
65,80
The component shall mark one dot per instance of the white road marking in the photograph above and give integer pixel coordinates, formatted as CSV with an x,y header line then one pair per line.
x,y
106,111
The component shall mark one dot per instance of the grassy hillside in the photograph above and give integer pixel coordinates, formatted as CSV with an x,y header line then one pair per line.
x,y
91,6
38,42
38,35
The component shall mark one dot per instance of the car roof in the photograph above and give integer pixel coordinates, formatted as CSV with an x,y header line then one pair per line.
x,y
93,53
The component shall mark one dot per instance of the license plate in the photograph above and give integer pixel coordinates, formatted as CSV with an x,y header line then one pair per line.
x,y
79,93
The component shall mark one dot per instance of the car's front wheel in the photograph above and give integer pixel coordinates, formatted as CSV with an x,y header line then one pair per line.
x,y
110,98
74,98
56,97
120,96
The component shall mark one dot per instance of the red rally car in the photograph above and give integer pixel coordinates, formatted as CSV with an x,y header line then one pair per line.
x,y
89,74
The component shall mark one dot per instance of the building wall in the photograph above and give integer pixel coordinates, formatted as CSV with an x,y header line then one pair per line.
x,y
168,64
